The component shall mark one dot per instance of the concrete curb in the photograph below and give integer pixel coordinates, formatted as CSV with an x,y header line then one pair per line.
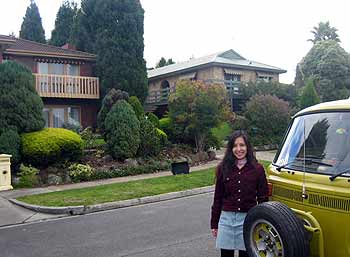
x,y
72,210
80,210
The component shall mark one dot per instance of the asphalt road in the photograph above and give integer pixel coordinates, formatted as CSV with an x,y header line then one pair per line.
x,y
176,228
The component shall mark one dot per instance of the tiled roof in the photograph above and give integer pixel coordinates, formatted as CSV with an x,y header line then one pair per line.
x,y
26,47
228,58
7,39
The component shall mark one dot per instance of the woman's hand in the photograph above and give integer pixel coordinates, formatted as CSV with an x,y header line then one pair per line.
x,y
214,232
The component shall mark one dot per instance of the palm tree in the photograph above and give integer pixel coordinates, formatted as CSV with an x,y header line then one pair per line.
x,y
324,32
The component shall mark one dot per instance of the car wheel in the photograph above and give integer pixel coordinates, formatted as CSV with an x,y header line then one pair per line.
x,y
271,229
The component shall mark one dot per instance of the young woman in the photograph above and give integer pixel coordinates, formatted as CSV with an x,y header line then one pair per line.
x,y
240,185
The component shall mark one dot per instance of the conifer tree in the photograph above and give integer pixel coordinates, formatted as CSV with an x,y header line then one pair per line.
x,y
32,28
113,29
21,106
309,95
63,24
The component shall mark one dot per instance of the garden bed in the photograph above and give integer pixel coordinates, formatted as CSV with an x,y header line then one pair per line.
x,y
97,164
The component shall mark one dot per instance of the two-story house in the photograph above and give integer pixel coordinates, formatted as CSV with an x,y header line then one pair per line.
x,y
227,68
63,78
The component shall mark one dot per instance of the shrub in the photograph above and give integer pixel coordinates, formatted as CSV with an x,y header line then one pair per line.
x,y
222,132
309,95
163,137
283,91
150,141
147,168
10,143
20,105
73,126
109,100
28,176
195,108
154,119
51,145
165,124
91,140
122,131
80,172
137,107
268,117
212,141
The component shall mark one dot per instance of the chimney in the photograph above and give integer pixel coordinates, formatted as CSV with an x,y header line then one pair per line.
x,y
68,46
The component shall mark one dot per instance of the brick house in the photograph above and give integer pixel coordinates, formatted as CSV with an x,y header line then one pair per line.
x,y
63,78
227,68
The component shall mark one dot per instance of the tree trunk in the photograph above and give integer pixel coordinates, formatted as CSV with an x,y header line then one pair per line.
x,y
199,138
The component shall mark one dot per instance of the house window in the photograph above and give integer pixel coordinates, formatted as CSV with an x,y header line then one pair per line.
x,y
74,115
46,115
233,77
58,69
43,68
57,116
232,83
73,70
264,78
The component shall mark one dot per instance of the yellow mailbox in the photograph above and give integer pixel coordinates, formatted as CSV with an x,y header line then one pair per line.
x,y
5,172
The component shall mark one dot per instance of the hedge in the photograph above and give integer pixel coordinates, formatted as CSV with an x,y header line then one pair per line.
x,y
51,145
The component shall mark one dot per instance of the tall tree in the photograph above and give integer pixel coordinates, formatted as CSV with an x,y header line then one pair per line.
x,y
163,62
324,32
113,29
329,65
170,61
32,28
63,24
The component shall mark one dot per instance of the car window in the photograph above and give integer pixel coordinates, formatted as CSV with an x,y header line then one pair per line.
x,y
323,137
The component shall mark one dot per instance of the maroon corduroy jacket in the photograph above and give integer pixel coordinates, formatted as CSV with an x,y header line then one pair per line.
x,y
241,190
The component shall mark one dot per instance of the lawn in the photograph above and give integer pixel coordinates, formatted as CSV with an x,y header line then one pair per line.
x,y
124,191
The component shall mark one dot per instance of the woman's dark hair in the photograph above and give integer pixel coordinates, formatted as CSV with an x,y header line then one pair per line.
x,y
229,159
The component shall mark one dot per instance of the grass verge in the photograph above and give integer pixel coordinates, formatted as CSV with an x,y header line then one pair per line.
x,y
124,191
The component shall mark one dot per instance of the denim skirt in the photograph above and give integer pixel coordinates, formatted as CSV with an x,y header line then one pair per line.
x,y
230,231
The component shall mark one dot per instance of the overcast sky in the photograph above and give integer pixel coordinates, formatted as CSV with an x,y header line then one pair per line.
x,y
273,32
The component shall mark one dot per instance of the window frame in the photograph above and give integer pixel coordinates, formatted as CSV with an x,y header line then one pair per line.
x,y
66,113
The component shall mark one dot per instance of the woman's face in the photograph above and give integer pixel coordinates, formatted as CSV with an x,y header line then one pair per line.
x,y
239,148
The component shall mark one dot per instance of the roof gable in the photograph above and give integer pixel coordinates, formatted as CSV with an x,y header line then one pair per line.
x,y
231,55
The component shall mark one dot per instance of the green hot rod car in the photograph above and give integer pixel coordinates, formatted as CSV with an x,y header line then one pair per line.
x,y
309,181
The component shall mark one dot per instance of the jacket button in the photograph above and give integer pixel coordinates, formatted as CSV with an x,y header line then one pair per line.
x,y
239,200
239,181
239,209
239,190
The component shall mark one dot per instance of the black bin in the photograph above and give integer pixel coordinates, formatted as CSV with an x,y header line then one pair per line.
x,y
180,168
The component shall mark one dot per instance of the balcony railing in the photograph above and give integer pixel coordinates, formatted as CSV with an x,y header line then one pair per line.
x,y
62,86
158,96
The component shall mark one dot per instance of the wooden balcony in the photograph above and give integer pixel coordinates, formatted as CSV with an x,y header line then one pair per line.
x,y
62,86
158,97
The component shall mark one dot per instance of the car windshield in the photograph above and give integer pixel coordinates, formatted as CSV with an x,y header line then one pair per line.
x,y
318,143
